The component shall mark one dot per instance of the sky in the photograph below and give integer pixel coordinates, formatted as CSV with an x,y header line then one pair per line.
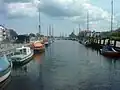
x,y
63,15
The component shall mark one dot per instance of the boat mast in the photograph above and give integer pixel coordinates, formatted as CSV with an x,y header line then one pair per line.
x,y
52,31
39,20
112,15
47,31
79,28
88,21
60,34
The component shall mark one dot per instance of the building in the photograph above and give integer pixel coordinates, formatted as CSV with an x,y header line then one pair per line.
x,y
6,34
3,33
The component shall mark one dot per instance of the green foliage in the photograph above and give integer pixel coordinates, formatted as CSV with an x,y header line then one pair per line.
x,y
72,35
32,35
39,35
115,34
12,33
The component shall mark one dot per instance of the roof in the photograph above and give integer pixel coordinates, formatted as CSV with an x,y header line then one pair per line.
x,y
23,48
37,44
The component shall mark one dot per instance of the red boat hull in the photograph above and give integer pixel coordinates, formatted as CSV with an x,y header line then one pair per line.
x,y
111,54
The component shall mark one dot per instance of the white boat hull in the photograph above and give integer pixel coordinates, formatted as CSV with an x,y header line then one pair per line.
x,y
5,76
25,59
22,60
46,43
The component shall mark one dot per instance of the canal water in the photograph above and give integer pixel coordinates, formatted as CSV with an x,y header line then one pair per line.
x,y
67,65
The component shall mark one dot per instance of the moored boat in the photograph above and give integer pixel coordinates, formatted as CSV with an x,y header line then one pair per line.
x,y
109,52
38,47
46,43
21,55
5,68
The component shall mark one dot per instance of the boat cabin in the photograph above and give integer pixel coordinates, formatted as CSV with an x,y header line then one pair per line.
x,y
23,50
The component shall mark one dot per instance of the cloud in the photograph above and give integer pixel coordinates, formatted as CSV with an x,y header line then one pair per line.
x,y
21,9
58,8
13,1
2,7
74,10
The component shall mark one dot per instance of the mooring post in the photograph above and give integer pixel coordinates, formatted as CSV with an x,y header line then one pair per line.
x,y
115,43
109,41
100,42
97,41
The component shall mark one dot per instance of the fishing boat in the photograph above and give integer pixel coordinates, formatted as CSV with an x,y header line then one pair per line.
x,y
5,68
109,52
38,47
21,55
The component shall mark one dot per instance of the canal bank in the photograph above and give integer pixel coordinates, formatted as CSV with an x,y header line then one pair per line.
x,y
67,65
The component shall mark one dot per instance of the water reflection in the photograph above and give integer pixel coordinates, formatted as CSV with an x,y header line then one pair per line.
x,y
28,76
38,59
5,83
19,71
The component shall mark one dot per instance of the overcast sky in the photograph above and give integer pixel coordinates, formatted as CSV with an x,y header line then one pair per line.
x,y
64,15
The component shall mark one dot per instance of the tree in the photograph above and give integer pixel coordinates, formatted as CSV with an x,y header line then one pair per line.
x,y
116,34
72,35
12,33
37,35
32,35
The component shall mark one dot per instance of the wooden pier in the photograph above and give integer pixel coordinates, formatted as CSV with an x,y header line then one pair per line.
x,y
98,43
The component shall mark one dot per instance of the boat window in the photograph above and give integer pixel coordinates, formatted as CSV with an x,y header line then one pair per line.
x,y
24,51
17,53
16,58
21,51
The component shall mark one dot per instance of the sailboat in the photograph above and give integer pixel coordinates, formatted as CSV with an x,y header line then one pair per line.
x,y
50,34
46,40
86,42
108,50
38,46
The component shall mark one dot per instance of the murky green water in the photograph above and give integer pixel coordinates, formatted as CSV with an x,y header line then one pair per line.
x,y
67,65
